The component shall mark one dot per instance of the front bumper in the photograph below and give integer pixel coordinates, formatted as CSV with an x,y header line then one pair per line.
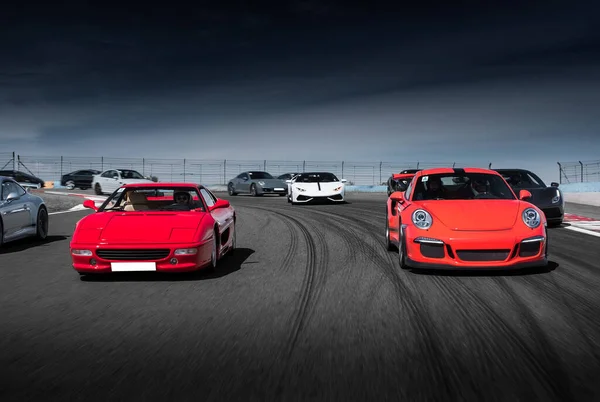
x,y
272,190
335,197
162,255
477,250
554,213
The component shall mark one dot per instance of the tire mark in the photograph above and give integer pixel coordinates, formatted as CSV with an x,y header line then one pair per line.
x,y
502,329
309,286
589,313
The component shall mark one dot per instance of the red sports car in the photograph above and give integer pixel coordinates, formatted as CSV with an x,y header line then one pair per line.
x,y
465,219
170,227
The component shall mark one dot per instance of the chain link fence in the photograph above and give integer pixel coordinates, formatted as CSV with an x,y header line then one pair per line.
x,y
212,172
579,172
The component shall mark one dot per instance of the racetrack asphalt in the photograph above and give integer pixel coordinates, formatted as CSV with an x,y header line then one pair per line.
x,y
312,306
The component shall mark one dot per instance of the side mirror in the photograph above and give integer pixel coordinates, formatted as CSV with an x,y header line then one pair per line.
x,y
398,196
116,177
220,204
245,179
344,181
554,184
524,195
288,181
90,204
401,185
12,196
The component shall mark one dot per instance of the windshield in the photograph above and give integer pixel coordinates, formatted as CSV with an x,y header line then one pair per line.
x,y
469,186
154,199
130,174
259,175
520,179
316,178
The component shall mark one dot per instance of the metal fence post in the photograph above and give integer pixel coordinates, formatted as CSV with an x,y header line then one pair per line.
x,y
380,165
342,169
102,163
559,173
303,166
490,165
581,164
453,165
143,166
417,165
14,161
184,170
225,171
61,167
265,165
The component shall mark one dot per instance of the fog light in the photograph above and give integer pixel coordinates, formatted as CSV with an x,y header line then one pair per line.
x,y
93,261
173,261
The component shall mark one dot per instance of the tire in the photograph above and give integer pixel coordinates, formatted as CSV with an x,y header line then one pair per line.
x,y
1,233
388,243
41,224
233,241
214,255
70,185
98,189
230,190
402,254
253,190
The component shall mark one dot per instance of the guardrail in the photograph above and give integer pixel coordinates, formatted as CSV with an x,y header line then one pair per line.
x,y
579,172
211,172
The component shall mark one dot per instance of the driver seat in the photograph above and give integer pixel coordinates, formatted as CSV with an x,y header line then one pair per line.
x,y
136,202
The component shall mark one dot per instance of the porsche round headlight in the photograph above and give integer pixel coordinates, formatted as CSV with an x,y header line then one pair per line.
x,y
422,219
531,218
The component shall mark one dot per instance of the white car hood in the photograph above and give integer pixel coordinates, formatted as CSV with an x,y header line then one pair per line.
x,y
319,189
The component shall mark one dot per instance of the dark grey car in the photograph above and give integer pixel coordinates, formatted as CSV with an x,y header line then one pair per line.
x,y
256,183
22,214
549,199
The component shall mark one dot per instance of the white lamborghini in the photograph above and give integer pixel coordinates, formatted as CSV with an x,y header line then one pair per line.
x,y
315,186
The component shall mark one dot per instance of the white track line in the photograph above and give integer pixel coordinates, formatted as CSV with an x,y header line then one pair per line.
x,y
585,231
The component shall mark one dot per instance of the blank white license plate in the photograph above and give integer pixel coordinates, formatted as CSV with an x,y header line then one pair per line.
x,y
278,189
132,266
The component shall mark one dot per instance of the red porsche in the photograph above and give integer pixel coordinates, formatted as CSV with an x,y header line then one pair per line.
x,y
465,219
169,227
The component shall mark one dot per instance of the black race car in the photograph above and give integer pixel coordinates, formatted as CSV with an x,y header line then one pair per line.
x,y
396,183
549,199
79,178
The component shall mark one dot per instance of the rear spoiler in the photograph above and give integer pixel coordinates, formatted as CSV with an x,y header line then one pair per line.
x,y
403,176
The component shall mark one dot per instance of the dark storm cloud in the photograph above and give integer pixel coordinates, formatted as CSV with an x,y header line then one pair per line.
x,y
265,74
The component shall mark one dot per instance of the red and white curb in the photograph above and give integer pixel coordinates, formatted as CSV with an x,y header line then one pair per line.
x,y
582,224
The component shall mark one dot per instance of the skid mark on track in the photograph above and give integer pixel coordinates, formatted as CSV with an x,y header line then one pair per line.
x,y
311,287
495,327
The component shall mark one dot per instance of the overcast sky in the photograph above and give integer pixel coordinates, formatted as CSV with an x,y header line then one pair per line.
x,y
315,80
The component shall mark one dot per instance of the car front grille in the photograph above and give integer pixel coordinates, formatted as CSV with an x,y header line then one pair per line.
x,y
133,254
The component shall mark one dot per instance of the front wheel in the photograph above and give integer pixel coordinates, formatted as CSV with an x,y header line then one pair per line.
x,y
231,190
253,190
402,254
98,189
388,243
70,185
42,224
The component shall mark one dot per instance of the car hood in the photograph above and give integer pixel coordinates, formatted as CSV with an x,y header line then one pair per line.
x,y
271,182
319,187
138,227
474,215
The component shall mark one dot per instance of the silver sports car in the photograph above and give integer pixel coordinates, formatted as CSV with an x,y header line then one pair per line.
x,y
22,214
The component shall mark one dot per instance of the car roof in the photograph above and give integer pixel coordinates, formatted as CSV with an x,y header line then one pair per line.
x,y
163,185
445,170
512,170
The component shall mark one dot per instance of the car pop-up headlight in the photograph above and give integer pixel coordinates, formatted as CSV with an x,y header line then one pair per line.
x,y
531,218
422,219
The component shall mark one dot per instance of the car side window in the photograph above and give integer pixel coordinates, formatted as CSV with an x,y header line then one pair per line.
x,y
210,201
5,190
108,173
